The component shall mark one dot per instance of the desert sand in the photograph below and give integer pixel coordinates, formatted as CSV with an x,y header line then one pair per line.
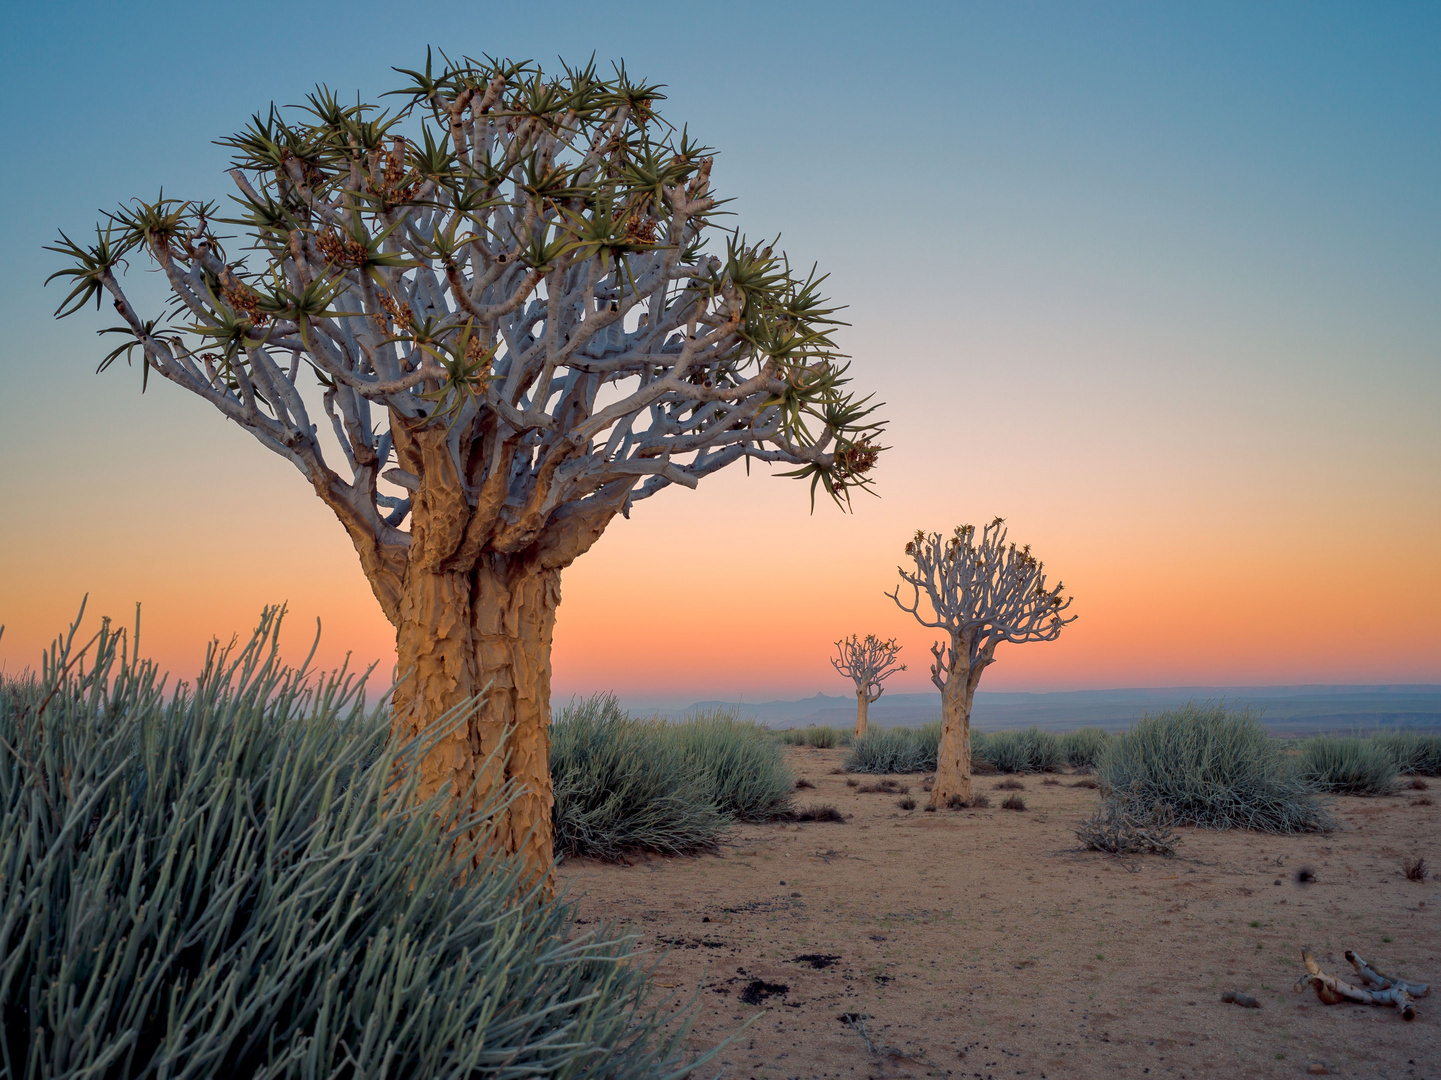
x,y
985,943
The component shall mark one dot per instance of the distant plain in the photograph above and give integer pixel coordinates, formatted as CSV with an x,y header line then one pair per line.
x,y
1285,710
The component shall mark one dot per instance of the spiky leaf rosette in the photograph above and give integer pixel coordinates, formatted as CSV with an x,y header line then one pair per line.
x,y
530,260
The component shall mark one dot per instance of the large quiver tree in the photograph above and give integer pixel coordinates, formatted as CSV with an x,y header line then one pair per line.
x,y
868,662
504,300
980,593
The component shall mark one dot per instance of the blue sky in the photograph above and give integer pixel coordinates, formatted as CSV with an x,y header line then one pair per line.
x,y
1160,283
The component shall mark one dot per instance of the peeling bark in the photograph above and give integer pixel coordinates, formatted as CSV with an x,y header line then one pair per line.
x,y
482,640
863,706
474,628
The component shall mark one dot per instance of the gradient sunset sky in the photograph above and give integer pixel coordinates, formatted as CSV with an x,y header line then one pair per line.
x,y
1160,284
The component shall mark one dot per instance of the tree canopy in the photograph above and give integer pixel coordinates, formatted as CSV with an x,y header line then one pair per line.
x,y
513,283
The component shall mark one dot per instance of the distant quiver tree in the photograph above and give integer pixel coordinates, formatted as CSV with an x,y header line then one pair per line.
x,y
980,594
480,327
867,662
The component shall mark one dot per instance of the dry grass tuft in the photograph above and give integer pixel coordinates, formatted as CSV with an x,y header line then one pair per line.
x,y
1015,802
907,803
1010,785
1424,800
1415,869
1085,782
851,781
885,787
1050,781
1417,784
802,783
819,812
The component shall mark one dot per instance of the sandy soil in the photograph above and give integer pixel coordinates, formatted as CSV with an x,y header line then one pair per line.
x,y
986,944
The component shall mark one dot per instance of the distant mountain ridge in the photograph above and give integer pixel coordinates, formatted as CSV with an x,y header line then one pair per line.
x,y
1286,709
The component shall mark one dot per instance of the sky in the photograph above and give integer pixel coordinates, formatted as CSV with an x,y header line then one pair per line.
x,y
1159,284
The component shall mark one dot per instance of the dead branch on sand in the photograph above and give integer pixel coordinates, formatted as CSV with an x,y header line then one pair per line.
x,y
1381,989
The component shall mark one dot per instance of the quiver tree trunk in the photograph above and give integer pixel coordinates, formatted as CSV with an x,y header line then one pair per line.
x,y
863,705
953,755
483,638
473,599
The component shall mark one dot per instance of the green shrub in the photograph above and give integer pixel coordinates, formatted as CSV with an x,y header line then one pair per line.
x,y
895,750
817,735
624,785
1348,766
745,772
1211,767
1083,747
1413,752
1031,750
230,882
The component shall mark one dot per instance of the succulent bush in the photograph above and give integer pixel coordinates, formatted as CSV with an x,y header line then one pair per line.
x,y
1348,766
1414,752
1031,750
627,785
1083,747
817,735
1212,767
895,750
624,785
239,881
746,774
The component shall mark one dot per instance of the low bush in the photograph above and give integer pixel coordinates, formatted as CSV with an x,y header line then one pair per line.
x,y
1211,767
1014,802
907,803
1031,750
746,774
1083,747
975,802
229,881
1348,766
1413,752
885,787
624,785
895,750
822,738
818,812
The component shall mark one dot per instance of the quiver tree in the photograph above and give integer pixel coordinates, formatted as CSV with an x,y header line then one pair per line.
x,y
980,594
867,662
480,327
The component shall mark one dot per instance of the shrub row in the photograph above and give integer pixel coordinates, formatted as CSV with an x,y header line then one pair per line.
x,y
895,750
624,784
816,735
231,883
907,750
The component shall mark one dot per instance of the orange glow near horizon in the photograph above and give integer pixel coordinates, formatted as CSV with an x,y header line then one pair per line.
x,y
737,592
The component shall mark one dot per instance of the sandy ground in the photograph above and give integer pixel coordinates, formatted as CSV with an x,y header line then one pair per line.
x,y
986,944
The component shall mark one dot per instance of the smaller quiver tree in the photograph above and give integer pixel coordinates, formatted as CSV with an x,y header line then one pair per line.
x,y
868,662
981,594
